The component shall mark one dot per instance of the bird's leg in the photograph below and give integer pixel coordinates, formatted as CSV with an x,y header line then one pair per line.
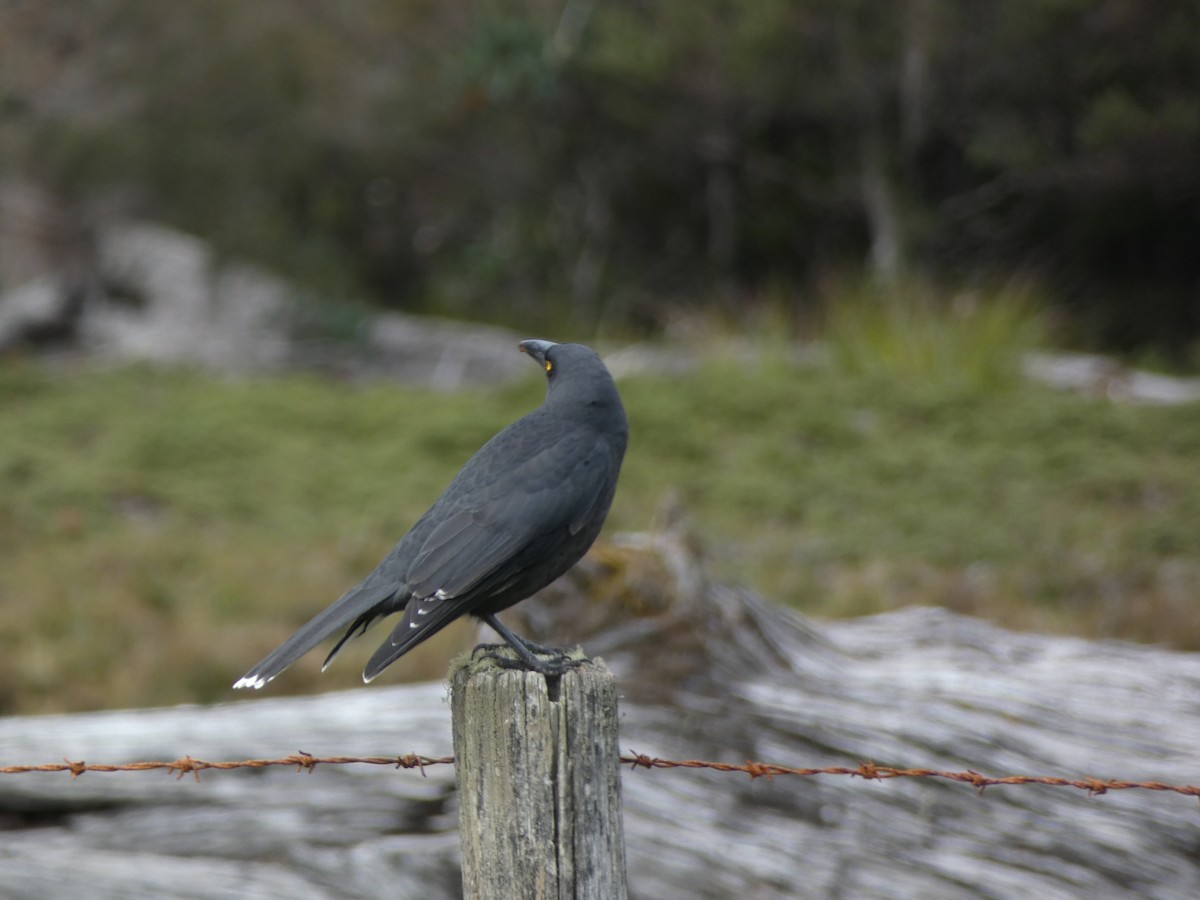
x,y
538,649
551,668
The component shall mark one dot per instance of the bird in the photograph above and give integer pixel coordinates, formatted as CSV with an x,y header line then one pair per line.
x,y
522,511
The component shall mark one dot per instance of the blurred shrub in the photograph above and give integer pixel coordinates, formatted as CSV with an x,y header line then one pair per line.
x,y
912,332
579,166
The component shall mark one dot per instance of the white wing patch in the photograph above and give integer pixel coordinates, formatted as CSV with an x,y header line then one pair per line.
x,y
425,607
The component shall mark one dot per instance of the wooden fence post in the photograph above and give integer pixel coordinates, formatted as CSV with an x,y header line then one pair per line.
x,y
539,783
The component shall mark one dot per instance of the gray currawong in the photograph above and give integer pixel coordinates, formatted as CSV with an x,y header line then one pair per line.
x,y
523,510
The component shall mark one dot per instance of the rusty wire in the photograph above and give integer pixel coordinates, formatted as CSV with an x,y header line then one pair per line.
x,y
185,764
872,772
867,770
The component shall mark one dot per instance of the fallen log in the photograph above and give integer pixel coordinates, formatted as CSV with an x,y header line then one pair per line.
x,y
705,672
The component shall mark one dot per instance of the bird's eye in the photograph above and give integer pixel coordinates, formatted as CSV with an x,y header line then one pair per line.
x,y
549,366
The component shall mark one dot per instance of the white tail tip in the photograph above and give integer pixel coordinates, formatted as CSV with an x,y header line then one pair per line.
x,y
250,681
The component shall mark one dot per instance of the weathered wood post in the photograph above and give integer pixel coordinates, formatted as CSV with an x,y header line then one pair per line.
x,y
539,783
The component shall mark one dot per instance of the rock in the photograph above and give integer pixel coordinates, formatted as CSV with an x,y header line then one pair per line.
x,y
1107,377
37,313
158,295
167,300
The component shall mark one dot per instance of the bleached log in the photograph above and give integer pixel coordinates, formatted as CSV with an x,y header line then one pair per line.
x,y
704,672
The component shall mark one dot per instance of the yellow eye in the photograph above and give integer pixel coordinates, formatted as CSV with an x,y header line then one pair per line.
x,y
549,366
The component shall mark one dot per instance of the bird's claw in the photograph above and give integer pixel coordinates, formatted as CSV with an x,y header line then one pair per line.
x,y
490,648
544,649
550,668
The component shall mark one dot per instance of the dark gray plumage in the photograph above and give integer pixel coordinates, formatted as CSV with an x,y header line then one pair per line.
x,y
523,510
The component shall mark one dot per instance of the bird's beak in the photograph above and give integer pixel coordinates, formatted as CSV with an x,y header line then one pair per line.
x,y
536,349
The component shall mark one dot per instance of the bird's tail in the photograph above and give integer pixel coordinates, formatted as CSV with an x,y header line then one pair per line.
x,y
358,607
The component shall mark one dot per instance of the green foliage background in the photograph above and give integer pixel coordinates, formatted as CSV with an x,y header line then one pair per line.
x,y
599,165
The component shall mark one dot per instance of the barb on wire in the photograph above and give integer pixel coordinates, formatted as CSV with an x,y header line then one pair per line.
x,y
867,770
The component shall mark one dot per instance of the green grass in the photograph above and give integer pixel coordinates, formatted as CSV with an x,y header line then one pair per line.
x,y
916,332
160,531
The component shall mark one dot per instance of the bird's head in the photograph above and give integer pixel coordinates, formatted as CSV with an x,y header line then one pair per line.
x,y
578,380
539,350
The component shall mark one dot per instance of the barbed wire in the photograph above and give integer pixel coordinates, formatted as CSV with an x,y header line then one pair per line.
x,y
186,764
866,770
872,772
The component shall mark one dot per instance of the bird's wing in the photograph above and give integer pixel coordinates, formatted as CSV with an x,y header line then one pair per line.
x,y
477,550
555,491
422,618
603,463
463,549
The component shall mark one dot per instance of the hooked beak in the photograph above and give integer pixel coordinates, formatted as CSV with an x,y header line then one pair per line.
x,y
536,349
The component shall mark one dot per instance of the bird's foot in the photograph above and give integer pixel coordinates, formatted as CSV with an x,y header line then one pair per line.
x,y
490,648
547,650
560,661
558,664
